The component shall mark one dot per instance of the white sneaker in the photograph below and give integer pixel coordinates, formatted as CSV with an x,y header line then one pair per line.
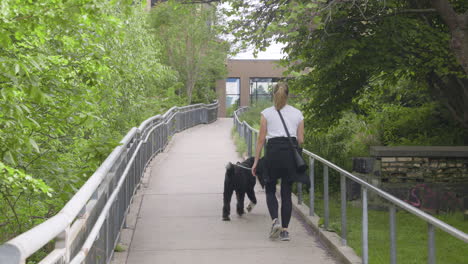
x,y
250,207
275,229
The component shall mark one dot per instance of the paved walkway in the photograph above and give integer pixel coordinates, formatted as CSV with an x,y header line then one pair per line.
x,y
180,216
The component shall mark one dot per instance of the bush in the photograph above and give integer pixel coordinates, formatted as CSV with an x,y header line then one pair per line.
x,y
423,125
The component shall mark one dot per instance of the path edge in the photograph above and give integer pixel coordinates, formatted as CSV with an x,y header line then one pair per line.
x,y
331,240
126,233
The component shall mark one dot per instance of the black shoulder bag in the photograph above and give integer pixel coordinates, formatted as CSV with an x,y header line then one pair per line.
x,y
301,165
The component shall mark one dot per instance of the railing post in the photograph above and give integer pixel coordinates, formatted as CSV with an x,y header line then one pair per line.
x,y
299,193
107,235
245,136
312,187
127,189
343,210
431,244
365,249
62,241
151,142
236,124
325,197
392,235
241,133
241,129
255,137
249,140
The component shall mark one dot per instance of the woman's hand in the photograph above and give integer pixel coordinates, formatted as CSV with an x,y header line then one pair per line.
x,y
254,168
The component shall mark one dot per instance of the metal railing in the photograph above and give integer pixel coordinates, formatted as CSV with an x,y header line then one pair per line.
x,y
87,229
250,136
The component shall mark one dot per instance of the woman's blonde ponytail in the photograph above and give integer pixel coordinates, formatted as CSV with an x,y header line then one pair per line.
x,y
280,95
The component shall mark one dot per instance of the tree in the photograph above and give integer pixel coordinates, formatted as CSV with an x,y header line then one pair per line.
x,y
190,42
338,48
75,76
457,22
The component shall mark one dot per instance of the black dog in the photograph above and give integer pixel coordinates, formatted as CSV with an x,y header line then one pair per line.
x,y
239,178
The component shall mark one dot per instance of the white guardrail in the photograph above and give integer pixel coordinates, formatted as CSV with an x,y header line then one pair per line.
x,y
87,229
250,135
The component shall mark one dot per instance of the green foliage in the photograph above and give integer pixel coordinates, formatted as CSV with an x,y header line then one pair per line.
x,y
341,69
191,46
350,137
341,49
75,76
425,125
119,248
17,191
230,110
252,116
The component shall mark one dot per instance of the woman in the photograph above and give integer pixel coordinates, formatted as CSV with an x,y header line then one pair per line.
x,y
279,161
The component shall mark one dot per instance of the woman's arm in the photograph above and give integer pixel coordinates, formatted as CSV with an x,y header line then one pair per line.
x,y
300,133
260,142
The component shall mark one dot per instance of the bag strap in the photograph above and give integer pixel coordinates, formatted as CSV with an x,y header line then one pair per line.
x,y
286,129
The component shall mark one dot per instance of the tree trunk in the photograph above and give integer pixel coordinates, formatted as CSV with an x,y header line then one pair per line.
x,y
452,92
189,86
458,25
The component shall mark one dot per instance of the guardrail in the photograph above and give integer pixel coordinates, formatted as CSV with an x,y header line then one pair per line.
x,y
250,136
87,229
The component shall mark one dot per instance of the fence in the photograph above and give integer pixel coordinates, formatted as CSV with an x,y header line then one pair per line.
x,y
250,135
87,229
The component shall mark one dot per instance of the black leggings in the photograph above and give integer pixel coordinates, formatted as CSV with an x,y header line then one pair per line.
x,y
286,203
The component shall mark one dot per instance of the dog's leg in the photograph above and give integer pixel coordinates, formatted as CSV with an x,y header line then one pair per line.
x,y
228,190
251,195
240,202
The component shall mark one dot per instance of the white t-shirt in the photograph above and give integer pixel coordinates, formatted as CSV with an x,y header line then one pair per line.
x,y
292,117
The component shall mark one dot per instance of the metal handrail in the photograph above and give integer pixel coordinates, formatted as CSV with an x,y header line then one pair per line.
x,y
88,227
249,134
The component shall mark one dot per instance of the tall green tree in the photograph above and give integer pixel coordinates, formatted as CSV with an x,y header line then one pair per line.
x,y
190,42
338,49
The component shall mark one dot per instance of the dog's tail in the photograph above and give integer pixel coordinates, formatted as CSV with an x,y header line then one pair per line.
x,y
229,170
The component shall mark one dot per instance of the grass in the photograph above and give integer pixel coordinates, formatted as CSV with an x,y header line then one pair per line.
x,y
411,234
252,116
119,248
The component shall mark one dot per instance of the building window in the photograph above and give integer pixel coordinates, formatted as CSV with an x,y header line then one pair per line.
x,y
232,93
261,89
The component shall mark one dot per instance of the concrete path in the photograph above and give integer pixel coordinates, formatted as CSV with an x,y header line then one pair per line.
x,y
180,216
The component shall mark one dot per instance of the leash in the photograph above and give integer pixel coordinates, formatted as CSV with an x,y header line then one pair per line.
x,y
240,166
